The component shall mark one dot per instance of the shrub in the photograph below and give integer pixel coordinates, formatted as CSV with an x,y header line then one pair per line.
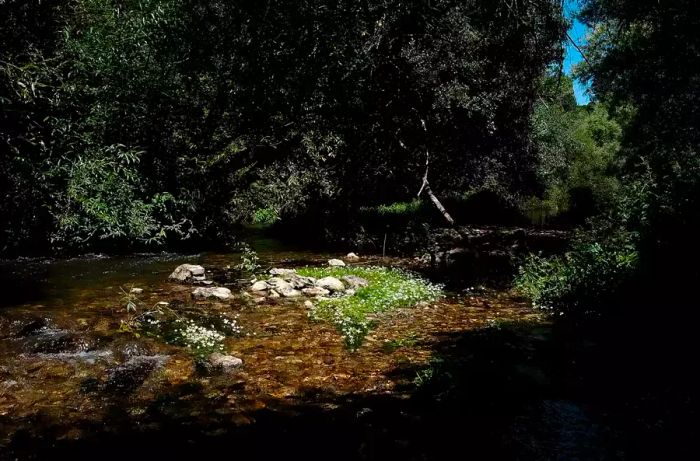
x,y
586,280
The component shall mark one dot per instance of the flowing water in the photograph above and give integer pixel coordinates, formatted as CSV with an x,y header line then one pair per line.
x,y
71,383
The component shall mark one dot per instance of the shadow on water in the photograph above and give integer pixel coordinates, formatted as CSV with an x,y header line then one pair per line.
x,y
497,382
500,392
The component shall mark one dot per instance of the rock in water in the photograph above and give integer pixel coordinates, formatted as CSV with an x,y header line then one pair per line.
x,y
355,282
225,363
315,291
127,377
283,287
331,284
352,257
336,263
188,273
212,292
260,286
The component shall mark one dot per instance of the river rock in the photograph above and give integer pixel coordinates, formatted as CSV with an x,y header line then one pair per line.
x,y
260,286
136,291
315,291
336,263
276,272
308,304
188,273
212,292
355,282
300,282
127,377
283,287
331,284
352,257
225,363
273,295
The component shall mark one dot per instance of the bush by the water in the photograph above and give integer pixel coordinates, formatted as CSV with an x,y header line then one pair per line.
x,y
388,289
585,280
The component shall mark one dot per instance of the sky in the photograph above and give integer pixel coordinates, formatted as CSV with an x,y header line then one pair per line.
x,y
578,33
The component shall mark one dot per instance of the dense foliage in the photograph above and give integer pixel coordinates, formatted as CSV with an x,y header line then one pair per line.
x,y
138,122
642,61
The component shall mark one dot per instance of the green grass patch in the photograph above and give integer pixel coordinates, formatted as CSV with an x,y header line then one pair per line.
x,y
388,289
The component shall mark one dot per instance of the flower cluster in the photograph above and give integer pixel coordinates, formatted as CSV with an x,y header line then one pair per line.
x,y
388,289
230,326
198,337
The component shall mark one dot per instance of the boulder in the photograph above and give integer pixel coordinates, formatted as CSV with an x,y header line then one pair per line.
x,y
336,263
260,286
225,363
273,295
315,291
331,284
352,257
292,294
283,287
212,292
354,282
188,273
300,282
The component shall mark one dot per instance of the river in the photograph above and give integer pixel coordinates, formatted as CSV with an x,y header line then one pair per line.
x,y
471,372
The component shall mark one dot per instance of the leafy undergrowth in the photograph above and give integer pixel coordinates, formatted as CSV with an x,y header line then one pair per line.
x,y
388,289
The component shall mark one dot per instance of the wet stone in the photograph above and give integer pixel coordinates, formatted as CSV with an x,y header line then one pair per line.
x,y
126,378
336,263
53,341
32,326
188,273
225,363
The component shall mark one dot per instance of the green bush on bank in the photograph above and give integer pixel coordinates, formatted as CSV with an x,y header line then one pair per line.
x,y
585,280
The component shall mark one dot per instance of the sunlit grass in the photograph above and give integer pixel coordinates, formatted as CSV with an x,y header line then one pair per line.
x,y
388,289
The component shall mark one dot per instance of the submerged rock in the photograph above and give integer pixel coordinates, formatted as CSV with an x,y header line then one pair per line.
x,y
188,273
225,363
127,377
53,341
315,291
32,326
212,292
355,282
336,263
331,284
